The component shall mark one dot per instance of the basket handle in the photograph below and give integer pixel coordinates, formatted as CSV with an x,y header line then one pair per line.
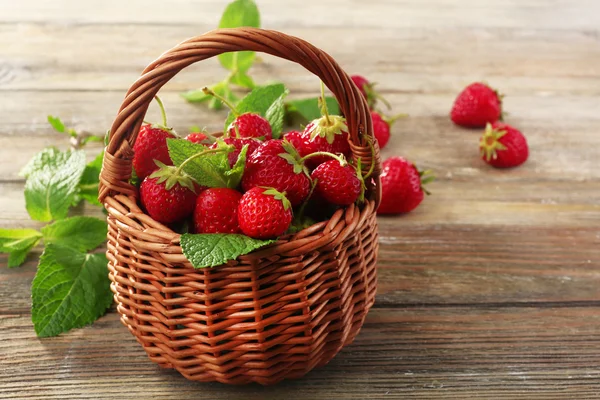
x,y
116,167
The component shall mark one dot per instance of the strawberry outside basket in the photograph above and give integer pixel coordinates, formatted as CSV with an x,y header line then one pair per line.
x,y
273,314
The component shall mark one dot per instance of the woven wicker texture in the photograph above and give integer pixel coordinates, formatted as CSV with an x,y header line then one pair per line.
x,y
270,315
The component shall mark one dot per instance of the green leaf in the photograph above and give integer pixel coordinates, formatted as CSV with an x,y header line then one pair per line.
x,y
88,185
70,290
51,189
239,13
257,101
18,243
79,233
208,170
309,108
39,160
212,249
240,78
275,114
234,175
57,124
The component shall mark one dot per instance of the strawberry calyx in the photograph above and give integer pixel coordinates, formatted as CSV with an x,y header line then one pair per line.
x,y
490,144
171,176
426,177
278,196
328,125
293,158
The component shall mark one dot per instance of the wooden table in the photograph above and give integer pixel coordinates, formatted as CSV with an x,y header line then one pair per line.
x,y
489,290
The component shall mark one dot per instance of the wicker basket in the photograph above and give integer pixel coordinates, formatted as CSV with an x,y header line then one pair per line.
x,y
270,315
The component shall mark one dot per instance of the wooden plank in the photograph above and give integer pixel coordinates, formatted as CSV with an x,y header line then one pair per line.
x,y
423,353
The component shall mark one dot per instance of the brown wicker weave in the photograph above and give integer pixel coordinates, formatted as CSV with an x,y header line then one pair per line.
x,y
270,315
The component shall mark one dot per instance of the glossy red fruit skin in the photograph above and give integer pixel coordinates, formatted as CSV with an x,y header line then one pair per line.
x,y
216,211
262,216
381,129
250,125
150,145
265,168
400,187
166,206
360,82
336,184
303,143
238,143
517,150
475,106
196,137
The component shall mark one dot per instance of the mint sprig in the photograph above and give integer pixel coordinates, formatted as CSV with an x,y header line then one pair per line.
x,y
308,109
257,101
18,243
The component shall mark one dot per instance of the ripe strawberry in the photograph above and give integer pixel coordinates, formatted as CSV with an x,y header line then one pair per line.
x,y
277,164
401,186
239,143
264,213
216,211
503,146
367,89
337,182
382,125
476,105
167,197
196,137
245,125
150,145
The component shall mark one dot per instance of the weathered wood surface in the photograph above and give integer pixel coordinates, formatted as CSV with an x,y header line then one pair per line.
x,y
489,290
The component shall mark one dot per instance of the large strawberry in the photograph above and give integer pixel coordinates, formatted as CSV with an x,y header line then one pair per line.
x,y
277,164
503,146
401,186
476,105
337,182
245,125
368,91
168,196
151,145
217,211
264,213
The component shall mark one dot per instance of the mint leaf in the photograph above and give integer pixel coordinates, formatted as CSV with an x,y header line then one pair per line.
x,y
309,108
208,170
234,175
240,78
257,101
57,124
70,290
88,185
39,160
51,189
212,249
239,13
79,233
18,243
275,114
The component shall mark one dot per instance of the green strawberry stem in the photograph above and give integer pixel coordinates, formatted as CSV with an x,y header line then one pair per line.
x,y
390,120
324,108
372,168
340,157
163,113
222,99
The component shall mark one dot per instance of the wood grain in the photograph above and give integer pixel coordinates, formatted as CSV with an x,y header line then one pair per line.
x,y
489,290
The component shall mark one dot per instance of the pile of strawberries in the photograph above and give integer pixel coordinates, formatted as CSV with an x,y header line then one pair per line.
x,y
307,170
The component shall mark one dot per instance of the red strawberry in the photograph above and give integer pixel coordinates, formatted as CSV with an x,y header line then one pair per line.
x,y
150,145
166,197
368,91
217,211
476,105
239,143
382,125
196,137
337,182
401,186
245,125
277,164
503,146
264,213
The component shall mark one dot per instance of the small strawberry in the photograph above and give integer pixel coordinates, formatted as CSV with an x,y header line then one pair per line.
x,y
245,125
401,186
196,137
264,213
503,146
476,105
382,125
337,182
368,91
150,145
238,143
217,211
167,195
277,164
